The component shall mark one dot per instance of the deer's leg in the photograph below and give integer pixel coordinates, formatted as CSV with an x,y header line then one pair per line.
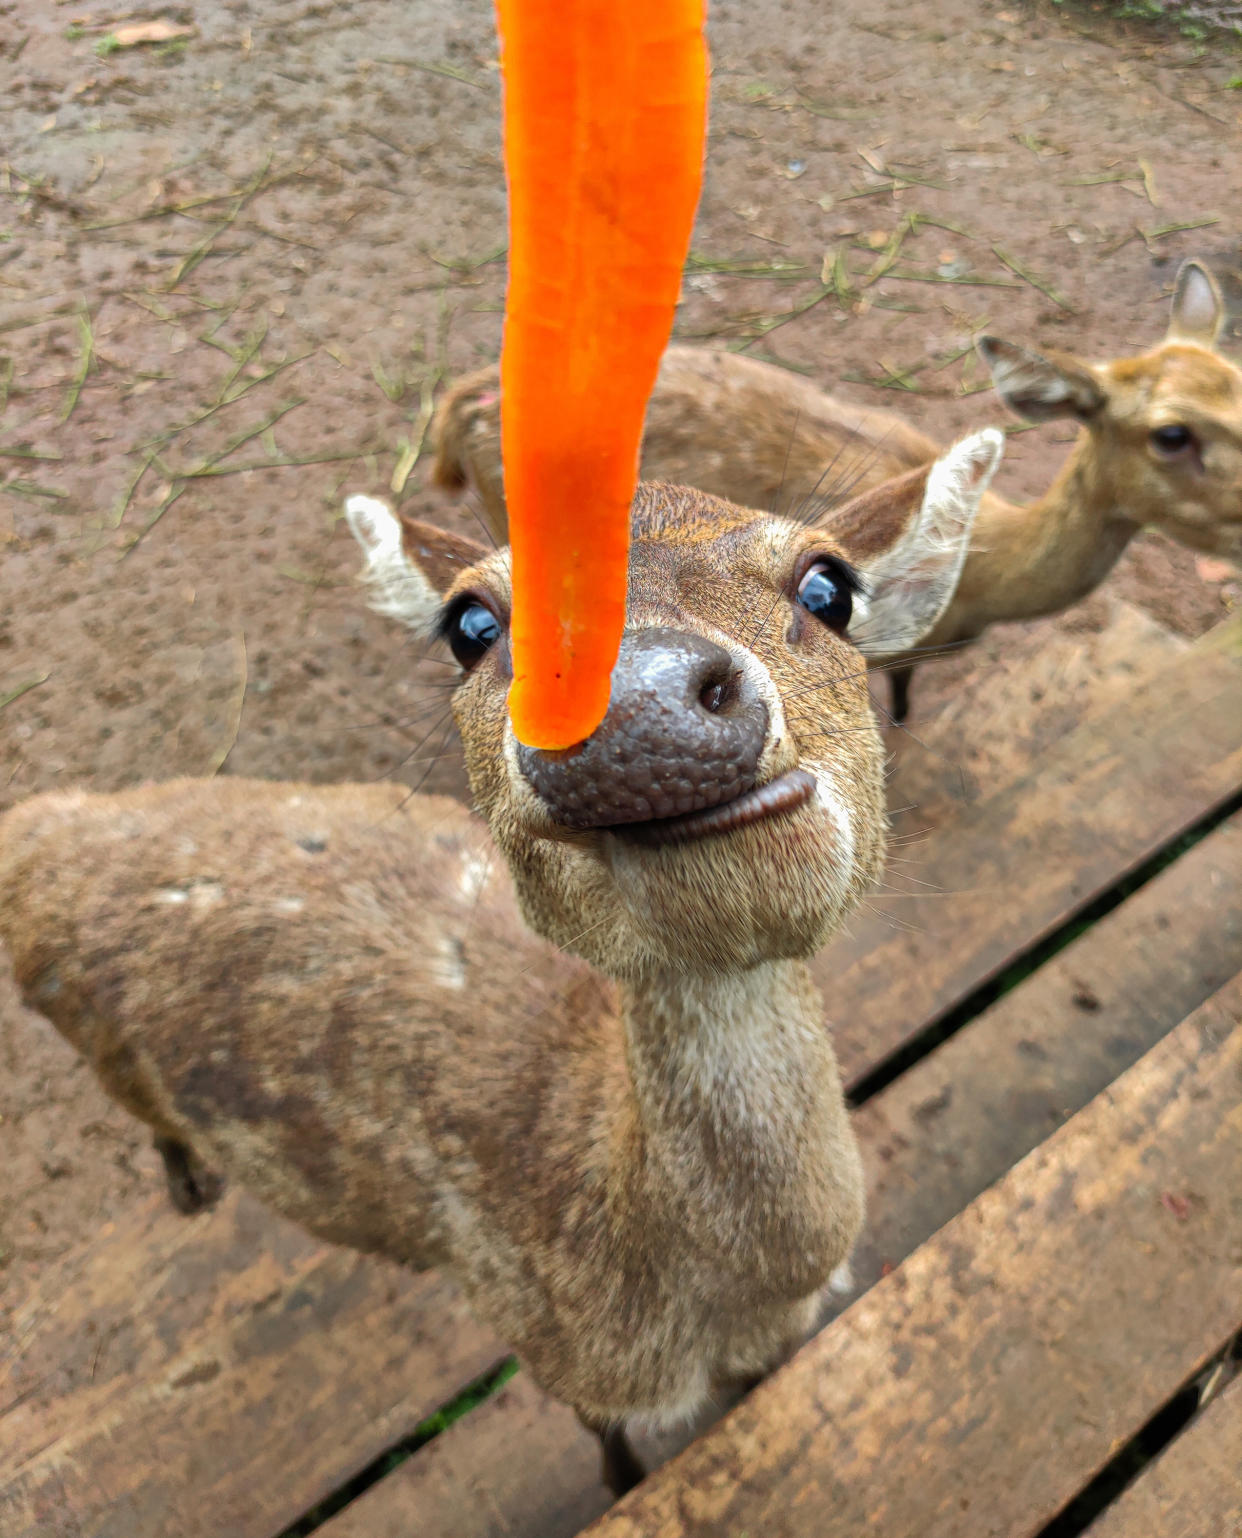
x,y
191,1187
621,1468
899,691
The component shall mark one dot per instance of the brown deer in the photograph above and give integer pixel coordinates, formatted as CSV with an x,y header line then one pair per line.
x,y
570,1051
1160,447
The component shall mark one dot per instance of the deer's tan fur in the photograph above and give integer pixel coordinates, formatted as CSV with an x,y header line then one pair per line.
x,y
760,436
590,1078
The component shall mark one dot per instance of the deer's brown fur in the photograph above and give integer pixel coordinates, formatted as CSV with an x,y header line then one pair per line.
x,y
589,1077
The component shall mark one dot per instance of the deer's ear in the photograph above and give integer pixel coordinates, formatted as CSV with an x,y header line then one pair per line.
x,y
408,565
910,581
1198,309
1040,387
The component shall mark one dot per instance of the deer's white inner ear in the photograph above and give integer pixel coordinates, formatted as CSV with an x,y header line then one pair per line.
x,y
396,587
913,581
1198,310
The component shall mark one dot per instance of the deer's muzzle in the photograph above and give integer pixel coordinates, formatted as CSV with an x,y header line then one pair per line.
x,y
685,731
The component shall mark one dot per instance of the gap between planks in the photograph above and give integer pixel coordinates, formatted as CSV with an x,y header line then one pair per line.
x,y
1194,1488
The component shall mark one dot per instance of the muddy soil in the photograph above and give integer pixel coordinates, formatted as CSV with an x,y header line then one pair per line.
x,y
236,265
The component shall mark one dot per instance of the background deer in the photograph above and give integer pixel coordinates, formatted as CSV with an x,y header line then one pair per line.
x,y
571,1052
1160,446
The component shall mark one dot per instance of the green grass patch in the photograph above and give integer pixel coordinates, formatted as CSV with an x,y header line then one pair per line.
x,y
439,1421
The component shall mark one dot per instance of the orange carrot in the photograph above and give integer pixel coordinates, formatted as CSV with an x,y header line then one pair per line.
x,y
605,105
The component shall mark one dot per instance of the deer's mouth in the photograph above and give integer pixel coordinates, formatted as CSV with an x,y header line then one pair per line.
x,y
775,799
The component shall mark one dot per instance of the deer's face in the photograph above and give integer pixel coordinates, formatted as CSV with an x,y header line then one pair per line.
x,y
729,808
1165,429
1170,437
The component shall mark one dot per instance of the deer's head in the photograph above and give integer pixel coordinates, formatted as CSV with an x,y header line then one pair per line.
x,y
730,807
1165,428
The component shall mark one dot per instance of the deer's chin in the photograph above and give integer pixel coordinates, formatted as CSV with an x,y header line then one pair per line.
x,y
766,889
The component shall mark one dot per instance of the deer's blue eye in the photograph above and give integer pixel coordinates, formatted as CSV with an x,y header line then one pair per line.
x,y
826,593
471,632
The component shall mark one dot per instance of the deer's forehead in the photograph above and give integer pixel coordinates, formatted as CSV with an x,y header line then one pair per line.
x,y
1176,382
685,541
758,550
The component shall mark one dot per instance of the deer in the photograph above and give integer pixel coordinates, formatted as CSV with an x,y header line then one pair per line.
x,y
1159,446
564,1046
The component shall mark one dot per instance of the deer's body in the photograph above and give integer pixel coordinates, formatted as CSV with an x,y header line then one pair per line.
x,y
754,433
635,1248
361,1005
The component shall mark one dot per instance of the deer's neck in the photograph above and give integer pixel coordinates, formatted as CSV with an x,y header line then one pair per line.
x,y
1037,558
740,1125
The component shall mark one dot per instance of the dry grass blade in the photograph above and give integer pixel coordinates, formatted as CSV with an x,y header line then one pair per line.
x,y
278,462
840,114
1149,183
413,449
1036,282
869,192
20,322
744,268
33,492
462,263
173,494
966,280
1099,179
238,440
1176,229
449,71
242,358
16,694
203,247
127,496
243,662
162,211
768,323
948,224
86,361
887,258
834,274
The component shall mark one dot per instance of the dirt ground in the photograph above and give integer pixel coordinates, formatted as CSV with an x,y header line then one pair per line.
x,y
235,266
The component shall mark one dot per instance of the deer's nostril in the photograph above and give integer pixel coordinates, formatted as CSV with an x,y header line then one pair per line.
x,y
718,693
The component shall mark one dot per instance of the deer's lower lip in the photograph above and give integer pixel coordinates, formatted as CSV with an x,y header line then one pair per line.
x,y
784,794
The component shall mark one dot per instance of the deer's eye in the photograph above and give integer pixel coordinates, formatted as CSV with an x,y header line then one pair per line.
x,y
1173,441
471,631
826,592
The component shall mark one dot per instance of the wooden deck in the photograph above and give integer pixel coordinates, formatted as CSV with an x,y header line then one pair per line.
x,y
1040,1022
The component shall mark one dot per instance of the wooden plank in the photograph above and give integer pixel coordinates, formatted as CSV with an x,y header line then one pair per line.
x,y
215,1375
983,1383
520,1462
1194,1488
1023,862
954,1123
984,715
932,1141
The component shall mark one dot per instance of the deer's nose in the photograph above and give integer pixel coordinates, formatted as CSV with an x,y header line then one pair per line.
x,y
685,730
